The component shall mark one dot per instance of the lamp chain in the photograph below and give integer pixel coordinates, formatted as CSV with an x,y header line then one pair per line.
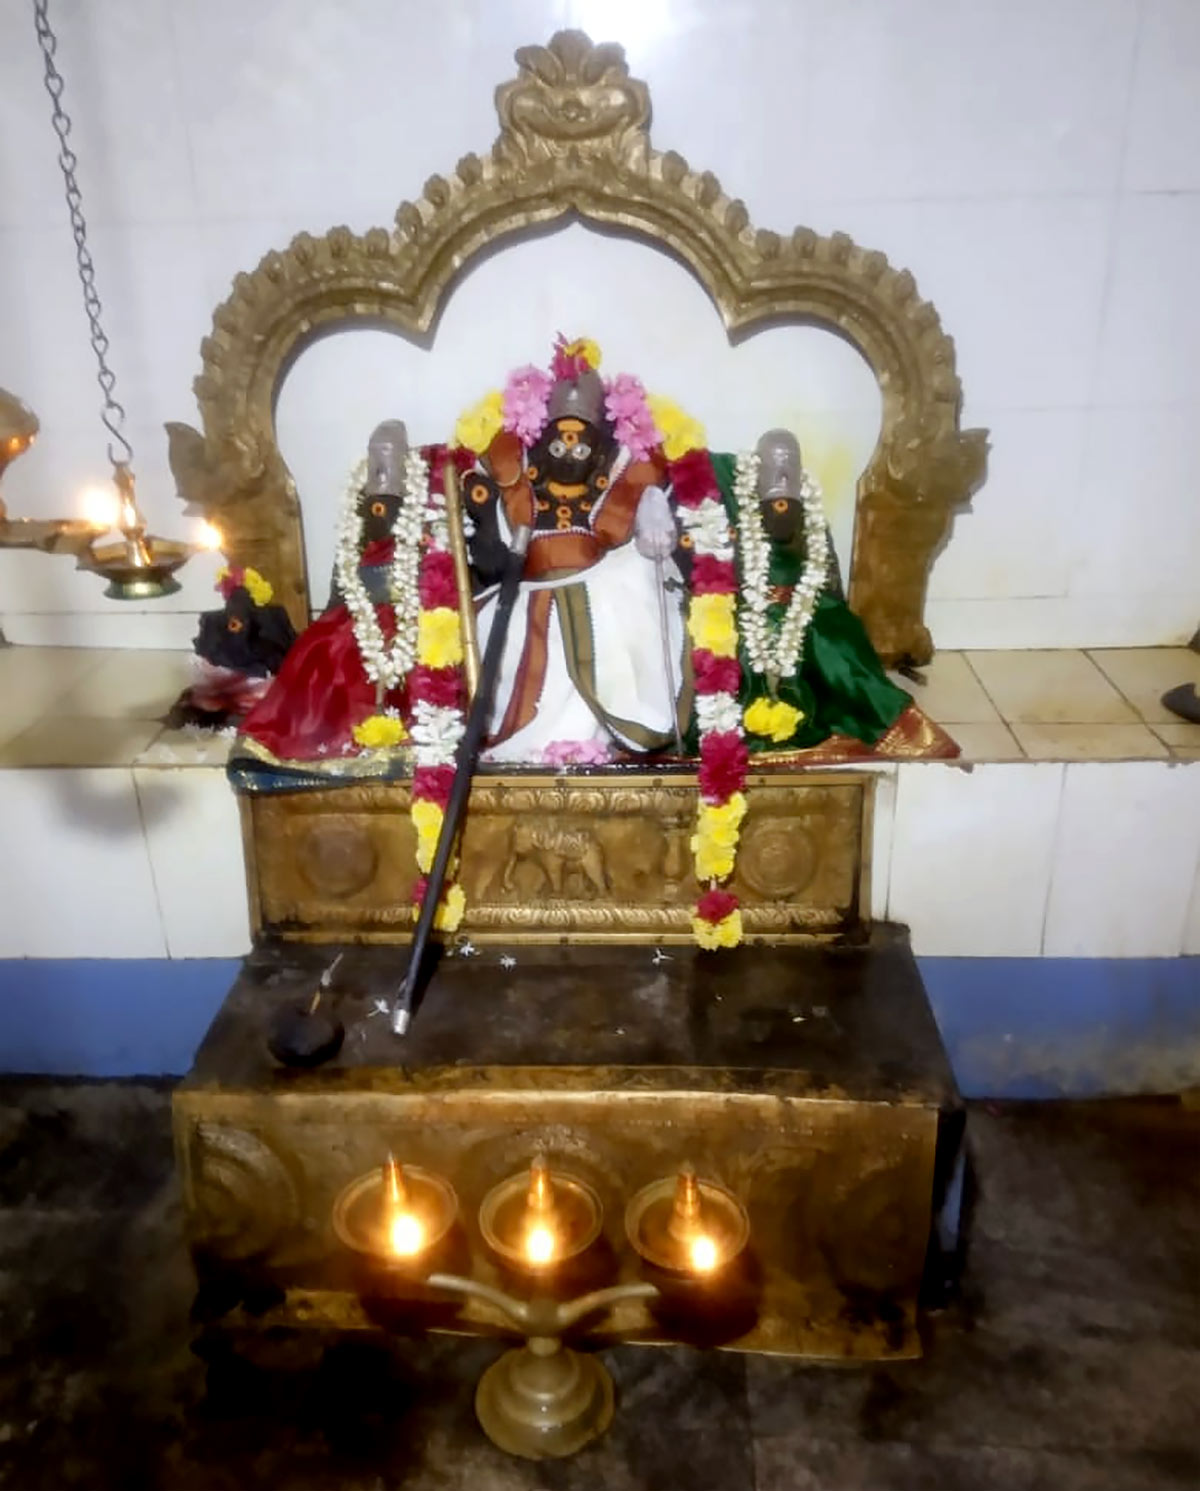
x,y
112,414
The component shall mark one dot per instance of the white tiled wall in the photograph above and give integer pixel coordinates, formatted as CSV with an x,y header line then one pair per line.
x,y
1027,859
1035,165
76,878
194,841
1010,859
972,856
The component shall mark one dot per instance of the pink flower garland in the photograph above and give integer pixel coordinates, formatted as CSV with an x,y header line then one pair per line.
x,y
525,402
633,424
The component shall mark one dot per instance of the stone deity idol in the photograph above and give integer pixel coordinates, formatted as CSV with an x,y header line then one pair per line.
x,y
352,662
671,595
584,669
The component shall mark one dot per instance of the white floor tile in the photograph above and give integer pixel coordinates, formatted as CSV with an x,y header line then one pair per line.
x,y
1125,863
187,747
989,740
1144,674
76,875
951,693
1183,739
1127,742
195,839
130,685
32,678
971,856
1051,687
71,740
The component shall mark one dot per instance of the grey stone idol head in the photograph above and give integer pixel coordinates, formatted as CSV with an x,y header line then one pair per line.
x,y
780,469
578,398
386,455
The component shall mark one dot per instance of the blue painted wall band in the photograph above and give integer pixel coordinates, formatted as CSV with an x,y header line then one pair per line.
x,y
1013,1027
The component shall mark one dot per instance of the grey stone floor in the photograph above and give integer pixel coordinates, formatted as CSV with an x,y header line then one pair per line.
x,y
1071,1362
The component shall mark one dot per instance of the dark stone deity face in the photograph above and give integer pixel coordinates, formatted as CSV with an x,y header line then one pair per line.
x,y
378,511
571,452
251,639
380,500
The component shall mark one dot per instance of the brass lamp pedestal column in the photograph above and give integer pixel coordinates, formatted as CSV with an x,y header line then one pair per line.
x,y
543,1400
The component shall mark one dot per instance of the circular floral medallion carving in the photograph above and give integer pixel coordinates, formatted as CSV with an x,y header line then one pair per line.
x,y
776,859
243,1199
338,859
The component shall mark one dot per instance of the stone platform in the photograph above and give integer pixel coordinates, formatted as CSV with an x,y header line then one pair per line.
x,y
809,1080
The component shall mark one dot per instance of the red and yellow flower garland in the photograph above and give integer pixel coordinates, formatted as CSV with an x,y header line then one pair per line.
x,y
712,627
435,698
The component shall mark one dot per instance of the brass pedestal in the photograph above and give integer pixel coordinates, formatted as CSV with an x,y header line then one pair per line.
x,y
809,1081
544,1401
599,857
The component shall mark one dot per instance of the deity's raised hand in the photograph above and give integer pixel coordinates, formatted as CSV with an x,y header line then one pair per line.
x,y
654,531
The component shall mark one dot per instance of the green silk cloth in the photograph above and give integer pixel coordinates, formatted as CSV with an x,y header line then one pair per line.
x,y
840,685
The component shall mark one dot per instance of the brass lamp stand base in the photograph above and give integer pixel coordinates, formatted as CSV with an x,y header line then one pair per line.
x,y
544,1401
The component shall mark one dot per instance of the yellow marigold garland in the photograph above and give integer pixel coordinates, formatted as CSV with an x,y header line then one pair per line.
x,y
712,624
773,718
439,638
478,426
379,732
712,935
680,432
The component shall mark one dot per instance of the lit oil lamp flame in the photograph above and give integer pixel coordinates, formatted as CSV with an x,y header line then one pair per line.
x,y
541,1238
686,1224
405,1231
406,1235
703,1254
540,1244
100,508
210,537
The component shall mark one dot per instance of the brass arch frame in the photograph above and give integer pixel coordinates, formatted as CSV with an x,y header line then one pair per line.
x,y
574,140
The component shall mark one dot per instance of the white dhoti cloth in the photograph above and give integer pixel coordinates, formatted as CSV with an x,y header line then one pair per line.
x,y
586,655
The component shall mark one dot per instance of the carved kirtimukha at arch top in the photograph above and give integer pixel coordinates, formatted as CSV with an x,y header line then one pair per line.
x,y
574,140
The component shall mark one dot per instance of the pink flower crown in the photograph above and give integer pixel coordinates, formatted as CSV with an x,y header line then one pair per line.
x,y
526,399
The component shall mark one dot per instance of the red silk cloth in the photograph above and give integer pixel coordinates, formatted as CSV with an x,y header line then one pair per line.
x,y
320,693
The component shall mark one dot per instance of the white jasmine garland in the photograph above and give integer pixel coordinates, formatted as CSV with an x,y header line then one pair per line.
x,y
708,525
384,663
718,712
776,651
436,731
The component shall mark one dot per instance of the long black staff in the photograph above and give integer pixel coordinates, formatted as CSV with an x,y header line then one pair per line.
x,y
464,768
